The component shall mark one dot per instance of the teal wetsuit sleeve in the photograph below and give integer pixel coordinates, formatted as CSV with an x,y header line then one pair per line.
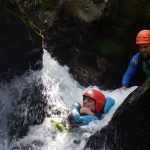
x,y
84,120
81,119
108,105
133,65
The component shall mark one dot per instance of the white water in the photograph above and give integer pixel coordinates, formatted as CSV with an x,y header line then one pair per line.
x,y
61,91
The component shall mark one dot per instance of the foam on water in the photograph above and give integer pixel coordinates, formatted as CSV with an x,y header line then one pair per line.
x,y
61,91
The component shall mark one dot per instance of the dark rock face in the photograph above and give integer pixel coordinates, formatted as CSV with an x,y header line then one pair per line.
x,y
70,42
28,109
20,44
95,50
21,50
91,37
130,125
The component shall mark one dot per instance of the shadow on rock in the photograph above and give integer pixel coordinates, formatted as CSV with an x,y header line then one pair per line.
x,y
130,125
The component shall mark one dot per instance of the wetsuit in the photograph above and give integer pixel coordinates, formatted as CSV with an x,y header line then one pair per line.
x,y
85,119
137,63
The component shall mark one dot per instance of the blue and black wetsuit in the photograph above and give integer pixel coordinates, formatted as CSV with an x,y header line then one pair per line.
x,y
85,119
137,64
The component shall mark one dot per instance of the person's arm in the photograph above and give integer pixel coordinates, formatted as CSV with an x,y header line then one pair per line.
x,y
81,119
85,120
133,65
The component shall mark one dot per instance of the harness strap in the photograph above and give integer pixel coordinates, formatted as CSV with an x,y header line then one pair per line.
x,y
146,67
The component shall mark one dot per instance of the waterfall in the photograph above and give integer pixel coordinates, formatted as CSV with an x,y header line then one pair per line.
x,y
59,91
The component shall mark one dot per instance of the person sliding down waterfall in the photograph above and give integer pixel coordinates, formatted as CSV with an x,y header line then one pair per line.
x,y
94,105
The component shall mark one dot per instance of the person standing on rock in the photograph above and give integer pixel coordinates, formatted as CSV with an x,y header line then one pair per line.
x,y
140,62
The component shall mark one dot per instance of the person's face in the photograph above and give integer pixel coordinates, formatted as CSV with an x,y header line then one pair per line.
x,y
144,49
89,103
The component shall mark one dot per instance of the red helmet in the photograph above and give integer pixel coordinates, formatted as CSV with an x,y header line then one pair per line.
x,y
98,97
143,37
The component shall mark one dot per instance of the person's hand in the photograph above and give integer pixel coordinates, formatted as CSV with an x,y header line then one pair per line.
x,y
123,88
76,106
86,110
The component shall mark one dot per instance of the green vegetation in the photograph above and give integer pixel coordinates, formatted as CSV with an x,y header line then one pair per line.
x,y
110,48
58,126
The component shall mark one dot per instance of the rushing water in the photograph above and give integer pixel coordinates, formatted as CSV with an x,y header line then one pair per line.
x,y
60,91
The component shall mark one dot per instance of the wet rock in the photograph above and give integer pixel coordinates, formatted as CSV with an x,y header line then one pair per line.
x,y
109,35
130,125
20,43
27,109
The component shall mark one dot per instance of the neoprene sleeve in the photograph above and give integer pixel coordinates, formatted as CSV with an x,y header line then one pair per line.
x,y
133,65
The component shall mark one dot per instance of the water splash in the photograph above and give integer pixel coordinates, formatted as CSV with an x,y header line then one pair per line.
x,y
60,91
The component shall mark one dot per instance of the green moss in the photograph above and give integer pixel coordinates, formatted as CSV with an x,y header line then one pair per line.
x,y
32,29
110,48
